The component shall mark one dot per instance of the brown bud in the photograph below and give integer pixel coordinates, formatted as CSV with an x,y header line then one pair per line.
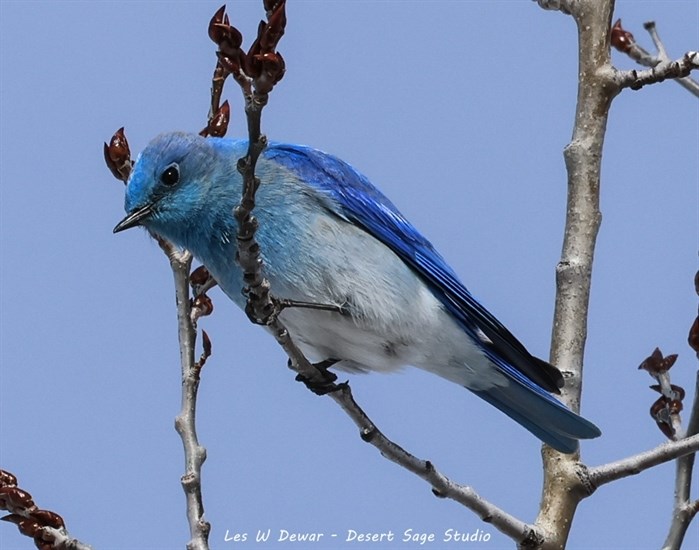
x,y
231,63
7,479
678,391
269,5
227,37
273,65
219,123
215,23
675,406
253,66
12,518
48,518
117,155
656,364
270,34
206,344
621,39
204,304
659,411
199,276
693,338
14,497
27,527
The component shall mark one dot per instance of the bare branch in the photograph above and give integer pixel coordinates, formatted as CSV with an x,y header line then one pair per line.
x,y
693,424
636,464
342,394
563,490
520,532
681,519
684,509
625,42
661,71
185,422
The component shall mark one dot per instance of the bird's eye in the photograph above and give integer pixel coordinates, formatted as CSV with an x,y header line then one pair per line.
x,y
171,174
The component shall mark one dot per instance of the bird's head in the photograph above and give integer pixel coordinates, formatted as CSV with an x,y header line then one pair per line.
x,y
173,183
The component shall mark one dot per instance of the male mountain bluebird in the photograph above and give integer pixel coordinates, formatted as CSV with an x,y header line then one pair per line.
x,y
328,236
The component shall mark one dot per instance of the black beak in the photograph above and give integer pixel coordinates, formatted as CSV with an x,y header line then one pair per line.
x,y
135,218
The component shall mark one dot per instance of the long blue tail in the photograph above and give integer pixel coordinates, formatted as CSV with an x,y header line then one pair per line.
x,y
541,414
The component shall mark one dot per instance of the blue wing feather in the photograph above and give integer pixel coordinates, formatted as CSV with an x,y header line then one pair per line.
x,y
353,197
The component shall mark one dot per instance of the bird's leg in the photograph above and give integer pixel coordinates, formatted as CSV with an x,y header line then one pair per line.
x,y
277,305
328,383
283,303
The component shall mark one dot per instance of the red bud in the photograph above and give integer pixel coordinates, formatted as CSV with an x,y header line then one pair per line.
x,y
14,497
661,414
117,155
656,364
219,123
204,304
48,518
271,33
199,276
7,479
621,39
678,391
206,343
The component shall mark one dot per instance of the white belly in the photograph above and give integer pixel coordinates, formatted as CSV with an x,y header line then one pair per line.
x,y
427,338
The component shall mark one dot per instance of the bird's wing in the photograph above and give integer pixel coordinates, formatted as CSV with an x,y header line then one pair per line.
x,y
350,195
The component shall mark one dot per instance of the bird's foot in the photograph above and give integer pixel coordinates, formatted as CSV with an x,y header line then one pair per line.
x,y
326,384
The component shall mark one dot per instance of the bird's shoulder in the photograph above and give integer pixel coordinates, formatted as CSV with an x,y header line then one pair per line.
x,y
347,192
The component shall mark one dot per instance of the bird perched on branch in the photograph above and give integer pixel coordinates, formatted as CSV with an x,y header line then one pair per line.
x,y
327,236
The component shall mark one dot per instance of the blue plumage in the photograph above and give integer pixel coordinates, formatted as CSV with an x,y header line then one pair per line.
x,y
329,236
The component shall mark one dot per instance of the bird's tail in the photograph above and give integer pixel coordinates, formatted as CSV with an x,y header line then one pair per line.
x,y
541,414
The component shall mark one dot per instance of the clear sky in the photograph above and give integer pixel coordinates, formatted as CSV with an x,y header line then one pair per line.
x,y
459,111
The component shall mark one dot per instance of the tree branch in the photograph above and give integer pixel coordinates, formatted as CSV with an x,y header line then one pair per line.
x,y
684,509
185,422
601,475
664,69
625,42
562,488
522,533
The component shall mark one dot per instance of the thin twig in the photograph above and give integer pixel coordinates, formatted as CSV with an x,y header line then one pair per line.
x,y
563,489
684,509
625,42
661,71
442,486
601,475
185,422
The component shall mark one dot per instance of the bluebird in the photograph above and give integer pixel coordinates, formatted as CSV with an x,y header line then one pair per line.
x,y
328,236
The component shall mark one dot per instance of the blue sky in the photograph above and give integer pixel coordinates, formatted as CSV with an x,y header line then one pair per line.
x,y
459,112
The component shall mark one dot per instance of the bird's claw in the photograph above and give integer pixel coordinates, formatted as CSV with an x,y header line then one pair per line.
x,y
327,383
